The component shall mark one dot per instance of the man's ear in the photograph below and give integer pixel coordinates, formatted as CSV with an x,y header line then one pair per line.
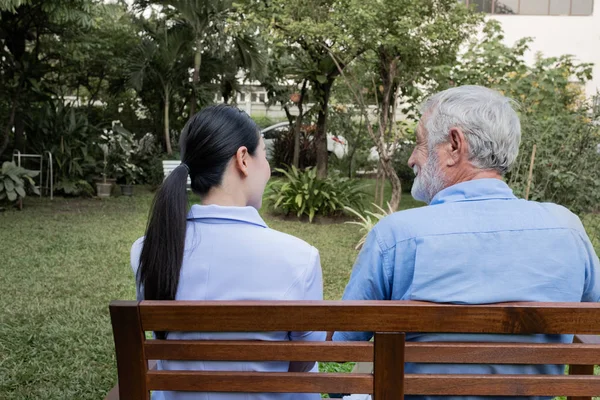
x,y
457,146
241,160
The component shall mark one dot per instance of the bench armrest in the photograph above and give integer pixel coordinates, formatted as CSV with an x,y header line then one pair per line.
x,y
114,392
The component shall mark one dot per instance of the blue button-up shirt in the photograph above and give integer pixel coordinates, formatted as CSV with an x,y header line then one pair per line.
x,y
231,254
477,243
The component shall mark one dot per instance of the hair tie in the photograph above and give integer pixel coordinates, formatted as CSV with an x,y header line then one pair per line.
x,y
186,167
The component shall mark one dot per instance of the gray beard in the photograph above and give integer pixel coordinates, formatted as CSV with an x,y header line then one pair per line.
x,y
429,180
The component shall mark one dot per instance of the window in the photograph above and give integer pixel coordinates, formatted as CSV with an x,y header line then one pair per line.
x,y
533,7
560,7
253,98
242,98
482,5
582,7
506,7
261,97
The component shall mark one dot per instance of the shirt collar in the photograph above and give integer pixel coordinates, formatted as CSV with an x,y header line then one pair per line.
x,y
241,214
475,190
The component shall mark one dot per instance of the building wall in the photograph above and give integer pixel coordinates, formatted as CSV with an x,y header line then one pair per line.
x,y
558,35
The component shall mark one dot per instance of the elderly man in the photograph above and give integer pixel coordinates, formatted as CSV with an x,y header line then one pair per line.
x,y
475,242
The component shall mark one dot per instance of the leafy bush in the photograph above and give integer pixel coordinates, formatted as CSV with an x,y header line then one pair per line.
x,y
368,220
119,143
65,131
302,193
15,182
555,116
147,156
405,173
283,149
263,121
347,122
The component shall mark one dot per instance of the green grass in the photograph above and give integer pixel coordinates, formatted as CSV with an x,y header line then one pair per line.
x,y
62,262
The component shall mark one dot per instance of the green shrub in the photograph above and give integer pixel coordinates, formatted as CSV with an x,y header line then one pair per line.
x,y
368,220
15,182
302,193
405,173
263,121
65,132
283,149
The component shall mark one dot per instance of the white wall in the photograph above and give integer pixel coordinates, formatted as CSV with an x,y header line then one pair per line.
x,y
558,35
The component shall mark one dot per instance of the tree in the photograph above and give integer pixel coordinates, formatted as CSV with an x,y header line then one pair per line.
x,y
407,41
311,30
555,116
215,32
25,26
158,60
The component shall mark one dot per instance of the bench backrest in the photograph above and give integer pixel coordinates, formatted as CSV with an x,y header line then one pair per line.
x,y
388,319
170,165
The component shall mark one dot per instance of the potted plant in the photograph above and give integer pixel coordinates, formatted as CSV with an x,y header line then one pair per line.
x,y
129,173
104,188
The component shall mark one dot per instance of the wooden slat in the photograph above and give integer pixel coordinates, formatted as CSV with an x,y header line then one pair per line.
x,y
575,369
415,384
251,382
502,353
502,385
424,352
129,345
388,366
258,351
380,316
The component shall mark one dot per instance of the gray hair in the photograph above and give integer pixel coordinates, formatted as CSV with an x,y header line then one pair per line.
x,y
487,118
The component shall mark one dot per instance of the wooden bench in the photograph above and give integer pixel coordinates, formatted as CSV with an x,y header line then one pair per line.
x,y
388,351
169,166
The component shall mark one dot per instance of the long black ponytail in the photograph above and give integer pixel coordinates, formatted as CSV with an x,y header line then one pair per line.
x,y
208,142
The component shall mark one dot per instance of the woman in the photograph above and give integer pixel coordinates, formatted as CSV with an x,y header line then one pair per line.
x,y
222,249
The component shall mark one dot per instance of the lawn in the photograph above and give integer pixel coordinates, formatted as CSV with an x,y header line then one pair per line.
x,y
62,263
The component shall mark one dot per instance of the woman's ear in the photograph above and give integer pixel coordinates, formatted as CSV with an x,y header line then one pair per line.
x,y
241,160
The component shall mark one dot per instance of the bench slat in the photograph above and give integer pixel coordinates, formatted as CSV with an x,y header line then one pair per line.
x,y
415,384
502,353
215,350
505,385
380,316
274,382
424,352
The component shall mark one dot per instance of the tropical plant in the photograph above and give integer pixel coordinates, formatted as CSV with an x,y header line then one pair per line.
x,y
159,60
29,67
15,182
65,132
284,144
368,220
147,157
302,193
121,147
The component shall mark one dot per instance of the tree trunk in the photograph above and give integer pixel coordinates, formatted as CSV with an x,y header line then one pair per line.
x,y
11,120
167,134
298,126
390,172
19,132
195,79
321,135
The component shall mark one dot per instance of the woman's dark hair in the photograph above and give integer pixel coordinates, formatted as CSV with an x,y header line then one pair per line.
x,y
208,142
